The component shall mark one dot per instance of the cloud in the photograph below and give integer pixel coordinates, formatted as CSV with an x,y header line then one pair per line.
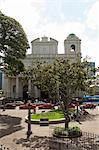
x,y
61,31
93,17
46,17
92,32
28,13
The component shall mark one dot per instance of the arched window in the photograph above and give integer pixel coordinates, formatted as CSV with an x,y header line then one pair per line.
x,y
72,48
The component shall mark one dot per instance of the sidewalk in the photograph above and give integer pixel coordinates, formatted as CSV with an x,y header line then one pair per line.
x,y
16,127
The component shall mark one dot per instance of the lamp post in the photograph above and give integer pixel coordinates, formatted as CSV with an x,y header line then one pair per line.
x,y
29,132
4,104
77,103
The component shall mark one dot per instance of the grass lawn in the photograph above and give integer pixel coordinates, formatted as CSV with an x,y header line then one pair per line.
x,y
55,114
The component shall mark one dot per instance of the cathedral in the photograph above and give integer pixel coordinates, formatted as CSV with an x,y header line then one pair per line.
x,y
45,49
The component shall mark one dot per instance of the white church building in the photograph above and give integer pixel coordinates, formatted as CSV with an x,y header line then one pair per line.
x,y
45,49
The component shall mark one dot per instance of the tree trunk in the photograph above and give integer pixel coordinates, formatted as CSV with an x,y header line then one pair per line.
x,y
67,120
64,107
66,124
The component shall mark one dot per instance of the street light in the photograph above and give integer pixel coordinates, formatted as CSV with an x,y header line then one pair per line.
x,y
29,132
77,103
3,104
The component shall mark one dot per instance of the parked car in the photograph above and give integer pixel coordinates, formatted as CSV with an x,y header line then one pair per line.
x,y
57,104
1,106
9,106
27,105
46,106
71,105
18,103
37,103
88,106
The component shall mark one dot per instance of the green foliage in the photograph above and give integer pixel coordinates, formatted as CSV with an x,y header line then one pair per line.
x,y
1,93
94,90
13,44
15,66
70,132
59,79
74,132
58,130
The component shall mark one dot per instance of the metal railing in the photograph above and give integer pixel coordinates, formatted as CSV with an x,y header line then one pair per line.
x,y
88,141
2,147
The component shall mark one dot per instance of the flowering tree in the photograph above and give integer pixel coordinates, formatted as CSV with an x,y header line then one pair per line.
x,y
13,44
61,79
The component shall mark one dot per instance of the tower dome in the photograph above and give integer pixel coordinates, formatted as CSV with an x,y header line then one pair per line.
x,y
72,46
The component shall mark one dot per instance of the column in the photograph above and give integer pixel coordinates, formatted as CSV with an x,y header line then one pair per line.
x,y
17,87
20,87
39,93
5,85
36,91
8,87
29,87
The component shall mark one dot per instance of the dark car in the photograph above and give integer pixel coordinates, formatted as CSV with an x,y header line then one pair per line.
x,y
88,106
71,105
9,106
1,106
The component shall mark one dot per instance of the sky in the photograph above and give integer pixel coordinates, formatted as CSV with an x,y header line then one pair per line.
x,y
58,19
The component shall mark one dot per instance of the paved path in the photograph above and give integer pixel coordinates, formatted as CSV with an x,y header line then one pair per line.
x,y
14,127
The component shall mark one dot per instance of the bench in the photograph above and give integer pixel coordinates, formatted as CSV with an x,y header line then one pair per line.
x,y
44,122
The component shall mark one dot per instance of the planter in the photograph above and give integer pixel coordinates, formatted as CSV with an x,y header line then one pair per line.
x,y
73,132
68,136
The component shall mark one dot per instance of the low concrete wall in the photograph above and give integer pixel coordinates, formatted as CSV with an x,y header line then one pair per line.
x,y
50,121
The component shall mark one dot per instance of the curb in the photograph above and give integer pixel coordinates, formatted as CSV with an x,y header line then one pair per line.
x,y
56,121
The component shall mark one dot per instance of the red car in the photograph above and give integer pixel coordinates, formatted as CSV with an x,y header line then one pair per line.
x,y
88,106
46,106
27,106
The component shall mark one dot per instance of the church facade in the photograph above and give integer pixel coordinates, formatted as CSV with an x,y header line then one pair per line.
x,y
45,49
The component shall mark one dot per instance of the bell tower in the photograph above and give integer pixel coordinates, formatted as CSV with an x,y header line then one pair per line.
x,y
72,46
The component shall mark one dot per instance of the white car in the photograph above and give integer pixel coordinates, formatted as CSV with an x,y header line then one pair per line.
x,y
37,103
18,103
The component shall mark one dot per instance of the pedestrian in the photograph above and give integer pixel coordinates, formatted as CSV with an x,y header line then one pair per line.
x,y
78,119
34,110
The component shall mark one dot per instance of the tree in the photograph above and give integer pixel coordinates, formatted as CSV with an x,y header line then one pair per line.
x,y
61,79
94,90
13,45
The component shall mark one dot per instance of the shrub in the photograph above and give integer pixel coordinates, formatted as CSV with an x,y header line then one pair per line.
x,y
70,132
58,130
74,132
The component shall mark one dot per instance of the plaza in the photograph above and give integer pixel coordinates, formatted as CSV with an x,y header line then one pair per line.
x,y
49,53
13,127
